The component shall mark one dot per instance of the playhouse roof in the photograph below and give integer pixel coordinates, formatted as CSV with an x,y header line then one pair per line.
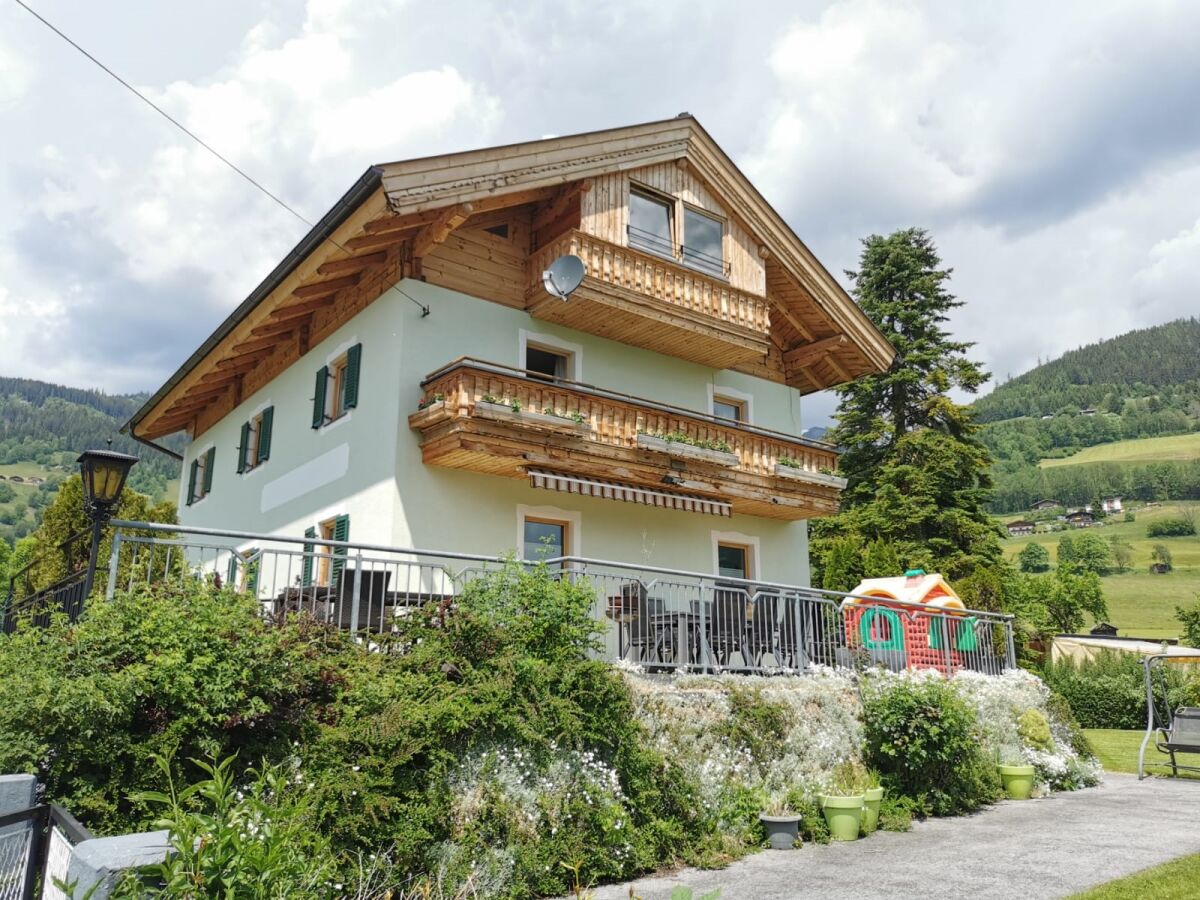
x,y
923,588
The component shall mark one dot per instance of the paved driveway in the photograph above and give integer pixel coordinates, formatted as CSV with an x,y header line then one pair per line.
x,y
1036,848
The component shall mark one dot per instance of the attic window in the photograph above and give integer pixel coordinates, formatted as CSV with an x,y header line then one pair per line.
x,y
500,231
650,223
702,236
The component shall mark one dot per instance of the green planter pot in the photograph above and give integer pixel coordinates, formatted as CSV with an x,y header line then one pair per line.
x,y
1018,781
843,815
870,816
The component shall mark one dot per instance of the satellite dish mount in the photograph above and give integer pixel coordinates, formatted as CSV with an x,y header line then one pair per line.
x,y
564,275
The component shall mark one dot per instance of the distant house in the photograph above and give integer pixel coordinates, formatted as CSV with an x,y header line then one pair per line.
x,y
1047,416
1087,412
1081,518
1104,628
35,479
16,478
1020,527
1046,504
1112,505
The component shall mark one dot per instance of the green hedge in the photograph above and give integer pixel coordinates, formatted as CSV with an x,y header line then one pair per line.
x,y
1109,691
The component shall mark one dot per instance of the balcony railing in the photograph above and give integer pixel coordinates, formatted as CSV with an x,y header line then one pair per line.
x,y
760,471
694,315
656,618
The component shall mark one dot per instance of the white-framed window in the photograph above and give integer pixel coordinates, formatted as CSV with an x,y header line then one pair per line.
x,y
729,403
254,447
200,475
548,356
547,532
736,555
336,391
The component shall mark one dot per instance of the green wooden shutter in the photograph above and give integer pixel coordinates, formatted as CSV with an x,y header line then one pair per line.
x,y
231,581
191,493
306,576
318,418
341,532
350,383
264,434
208,469
252,571
241,451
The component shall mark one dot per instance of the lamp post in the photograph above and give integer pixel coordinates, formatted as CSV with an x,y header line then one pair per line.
x,y
104,473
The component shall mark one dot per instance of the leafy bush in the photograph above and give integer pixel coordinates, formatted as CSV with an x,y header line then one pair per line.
x,y
1172,527
253,842
1189,618
1034,558
1109,691
924,739
1035,730
178,673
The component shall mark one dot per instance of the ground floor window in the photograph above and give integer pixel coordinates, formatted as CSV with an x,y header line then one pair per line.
x,y
735,555
545,538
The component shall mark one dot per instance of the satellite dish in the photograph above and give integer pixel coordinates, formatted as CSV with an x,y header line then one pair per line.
x,y
564,275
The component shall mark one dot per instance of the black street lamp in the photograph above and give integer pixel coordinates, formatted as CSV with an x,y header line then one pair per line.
x,y
104,473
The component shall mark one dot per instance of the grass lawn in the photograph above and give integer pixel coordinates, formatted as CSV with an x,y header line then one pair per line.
x,y
1118,751
1155,449
1139,604
1176,880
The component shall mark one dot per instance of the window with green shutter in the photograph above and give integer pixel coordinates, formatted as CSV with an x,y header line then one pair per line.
x,y
341,532
255,446
306,574
201,475
337,387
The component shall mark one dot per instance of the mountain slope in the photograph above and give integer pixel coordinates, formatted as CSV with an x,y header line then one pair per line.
x,y
1161,360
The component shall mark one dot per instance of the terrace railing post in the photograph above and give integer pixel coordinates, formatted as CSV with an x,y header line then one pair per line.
x,y
114,559
356,592
1011,648
947,631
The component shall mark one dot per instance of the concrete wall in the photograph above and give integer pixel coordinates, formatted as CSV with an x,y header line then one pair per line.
x,y
369,464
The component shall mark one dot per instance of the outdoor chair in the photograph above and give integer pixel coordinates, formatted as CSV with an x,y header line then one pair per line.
x,y
373,598
727,623
761,630
1183,735
650,638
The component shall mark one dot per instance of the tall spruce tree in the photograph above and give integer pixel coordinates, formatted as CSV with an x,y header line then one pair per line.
x,y
918,475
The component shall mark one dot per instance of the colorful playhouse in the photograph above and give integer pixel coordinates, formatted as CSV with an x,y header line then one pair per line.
x,y
917,622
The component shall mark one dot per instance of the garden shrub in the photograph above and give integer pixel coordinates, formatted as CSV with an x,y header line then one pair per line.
x,y
925,741
1107,691
1035,730
182,672
1171,527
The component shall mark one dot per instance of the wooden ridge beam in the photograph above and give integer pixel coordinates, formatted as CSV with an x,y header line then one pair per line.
x,y
325,288
441,228
352,263
807,354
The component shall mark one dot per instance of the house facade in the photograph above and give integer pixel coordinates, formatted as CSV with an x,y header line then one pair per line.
x,y
404,378
1021,527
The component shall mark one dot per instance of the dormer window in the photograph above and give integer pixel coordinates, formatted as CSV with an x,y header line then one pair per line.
x,y
650,223
702,238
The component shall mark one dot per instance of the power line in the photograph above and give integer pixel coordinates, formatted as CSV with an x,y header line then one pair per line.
x,y
166,115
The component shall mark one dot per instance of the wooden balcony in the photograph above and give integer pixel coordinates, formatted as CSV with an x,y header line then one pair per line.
x,y
648,301
493,419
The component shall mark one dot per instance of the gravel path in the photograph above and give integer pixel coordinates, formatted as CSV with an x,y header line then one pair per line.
x,y
1036,848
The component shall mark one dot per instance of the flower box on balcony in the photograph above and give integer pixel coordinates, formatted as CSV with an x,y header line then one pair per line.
x,y
797,474
687,451
503,412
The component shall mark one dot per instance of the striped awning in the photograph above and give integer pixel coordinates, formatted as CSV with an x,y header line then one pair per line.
x,y
614,490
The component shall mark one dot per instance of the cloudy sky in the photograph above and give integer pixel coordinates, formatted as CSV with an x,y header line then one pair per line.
x,y
1053,149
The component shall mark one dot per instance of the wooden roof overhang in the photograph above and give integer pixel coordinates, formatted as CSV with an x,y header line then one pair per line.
x,y
396,213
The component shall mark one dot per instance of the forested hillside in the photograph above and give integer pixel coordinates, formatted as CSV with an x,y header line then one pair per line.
x,y
1162,360
1139,385
47,425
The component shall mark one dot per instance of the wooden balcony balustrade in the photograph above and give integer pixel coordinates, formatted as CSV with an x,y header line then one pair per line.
x,y
652,302
494,419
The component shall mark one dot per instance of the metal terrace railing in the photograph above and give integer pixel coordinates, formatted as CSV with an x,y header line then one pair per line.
x,y
657,618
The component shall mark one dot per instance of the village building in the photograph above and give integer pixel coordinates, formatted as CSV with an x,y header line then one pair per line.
x,y
1080,518
1021,527
1046,504
405,378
